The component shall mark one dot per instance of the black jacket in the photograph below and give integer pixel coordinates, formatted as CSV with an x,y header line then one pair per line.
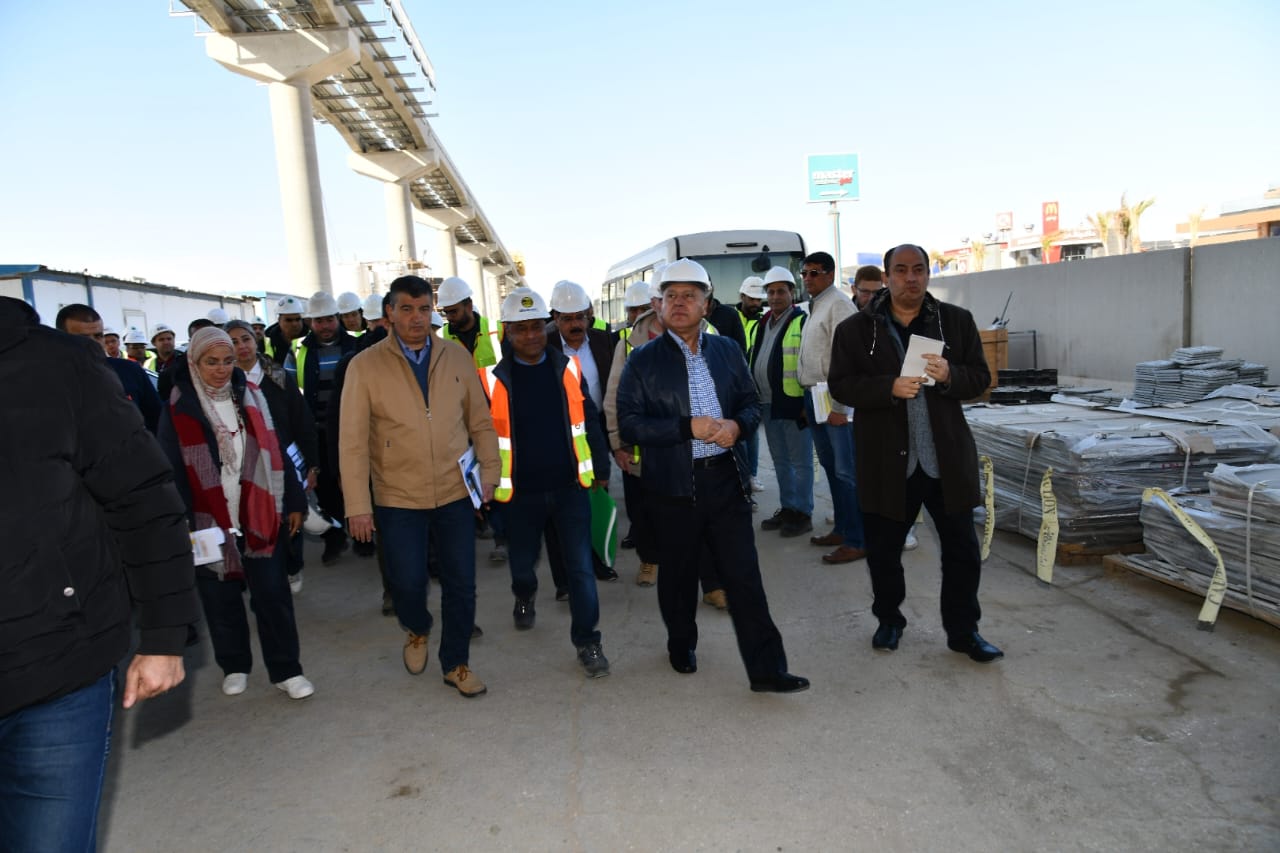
x,y
295,499
310,379
728,323
90,522
780,405
864,363
293,420
600,342
653,409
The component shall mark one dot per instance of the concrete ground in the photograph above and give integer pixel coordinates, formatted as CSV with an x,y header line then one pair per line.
x,y
1112,724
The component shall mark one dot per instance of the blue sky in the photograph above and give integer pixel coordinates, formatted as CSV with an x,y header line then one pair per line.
x,y
588,131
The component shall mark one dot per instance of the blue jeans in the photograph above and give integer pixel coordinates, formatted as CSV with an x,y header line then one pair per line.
x,y
569,510
835,454
452,530
52,757
753,453
792,452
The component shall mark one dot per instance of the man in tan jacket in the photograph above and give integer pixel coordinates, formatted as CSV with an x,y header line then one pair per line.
x,y
412,405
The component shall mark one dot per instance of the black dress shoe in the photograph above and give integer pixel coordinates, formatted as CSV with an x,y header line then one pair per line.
x,y
782,682
975,647
524,614
604,573
886,637
683,662
628,541
562,594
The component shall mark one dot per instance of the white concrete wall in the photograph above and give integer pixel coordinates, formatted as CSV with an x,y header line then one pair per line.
x,y
1094,318
51,296
1235,300
11,287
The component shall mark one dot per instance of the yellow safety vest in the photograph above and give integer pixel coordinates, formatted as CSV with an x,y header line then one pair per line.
x,y
488,349
500,412
791,357
749,329
150,361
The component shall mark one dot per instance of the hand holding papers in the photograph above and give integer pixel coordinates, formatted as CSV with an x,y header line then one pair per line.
x,y
917,348
470,467
206,545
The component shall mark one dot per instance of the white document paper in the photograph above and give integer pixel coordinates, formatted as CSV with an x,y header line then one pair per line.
x,y
917,348
821,402
470,467
206,545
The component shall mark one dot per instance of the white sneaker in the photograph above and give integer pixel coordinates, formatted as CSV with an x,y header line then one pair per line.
x,y
295,583
235,683
912,542
756,485
297,687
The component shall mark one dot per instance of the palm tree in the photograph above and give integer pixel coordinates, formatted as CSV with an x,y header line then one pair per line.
x,y
977,254
1101,222
940,260
1046,243
1193,223
1135,213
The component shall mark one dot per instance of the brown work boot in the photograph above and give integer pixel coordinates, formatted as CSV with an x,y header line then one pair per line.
x,y
415,652
648,574
716,599
827,541
467,682
844,554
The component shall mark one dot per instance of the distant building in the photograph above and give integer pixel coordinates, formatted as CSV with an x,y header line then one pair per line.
x,y
1241,219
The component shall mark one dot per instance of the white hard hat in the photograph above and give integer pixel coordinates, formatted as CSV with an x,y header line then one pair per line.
x,y
452,291
157,329
779,274
348,302
568,297
315,523
524,304
257,321
753,286
373,306
321,304
289,305
637,295
437,319
134,336
685,271
106,333
219,317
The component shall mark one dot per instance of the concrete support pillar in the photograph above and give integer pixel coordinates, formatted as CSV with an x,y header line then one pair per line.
x,y
290,63
300,196
475,278
400,240
446,259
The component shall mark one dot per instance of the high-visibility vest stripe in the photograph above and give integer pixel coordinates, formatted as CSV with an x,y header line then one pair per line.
x,y
791,358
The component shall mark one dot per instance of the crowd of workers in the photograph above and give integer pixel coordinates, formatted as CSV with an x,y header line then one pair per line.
x,y
409,425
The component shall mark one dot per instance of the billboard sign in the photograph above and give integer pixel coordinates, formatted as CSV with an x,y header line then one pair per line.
x,y
833,177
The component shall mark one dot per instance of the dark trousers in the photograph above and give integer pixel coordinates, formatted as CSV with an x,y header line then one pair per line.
x,y
328,490
721,517
640,517
268,582
405,534
567,512
961,558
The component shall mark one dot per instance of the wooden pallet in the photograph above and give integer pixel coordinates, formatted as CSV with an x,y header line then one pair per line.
x,y
1075,554
1172,576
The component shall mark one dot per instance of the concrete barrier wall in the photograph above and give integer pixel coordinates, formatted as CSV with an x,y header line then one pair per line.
x,y
1235,300
1097,318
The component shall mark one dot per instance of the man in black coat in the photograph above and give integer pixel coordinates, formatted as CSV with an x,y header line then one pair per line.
x,y
687,400
913,443
95,540
77,319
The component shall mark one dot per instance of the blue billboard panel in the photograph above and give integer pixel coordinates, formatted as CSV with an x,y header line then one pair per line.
x,y
833,177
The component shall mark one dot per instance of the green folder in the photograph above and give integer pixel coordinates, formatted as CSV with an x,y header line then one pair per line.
x,y
604,526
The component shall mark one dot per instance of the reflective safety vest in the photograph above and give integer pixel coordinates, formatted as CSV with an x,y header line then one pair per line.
x,y
500,412
270,348
791,357
597,323
488,349
149,363
749,329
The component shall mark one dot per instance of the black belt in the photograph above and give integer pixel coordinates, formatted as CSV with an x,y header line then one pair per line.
x,y
713,461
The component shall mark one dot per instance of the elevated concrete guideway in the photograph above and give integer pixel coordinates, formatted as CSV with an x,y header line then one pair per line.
x,y
325,59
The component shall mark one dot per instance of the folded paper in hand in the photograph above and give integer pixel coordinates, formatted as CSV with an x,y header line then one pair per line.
x,y
206,545
917,348
821,402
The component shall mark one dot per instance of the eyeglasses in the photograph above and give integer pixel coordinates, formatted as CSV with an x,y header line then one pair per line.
x,y
812,273
870,291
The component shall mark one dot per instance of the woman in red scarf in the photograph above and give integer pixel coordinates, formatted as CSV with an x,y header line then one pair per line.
x,y
230,469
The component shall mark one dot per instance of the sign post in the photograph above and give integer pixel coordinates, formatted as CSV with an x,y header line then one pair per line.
x,y
834,178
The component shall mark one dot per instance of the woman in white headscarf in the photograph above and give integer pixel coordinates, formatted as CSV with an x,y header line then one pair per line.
x,y
231,471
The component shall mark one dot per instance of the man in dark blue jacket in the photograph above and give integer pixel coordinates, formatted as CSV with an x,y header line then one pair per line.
x,y
77,319
94,540
687,399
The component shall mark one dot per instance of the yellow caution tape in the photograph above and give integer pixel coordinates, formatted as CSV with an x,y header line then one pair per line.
x,y
1047,544
1218,583
989,487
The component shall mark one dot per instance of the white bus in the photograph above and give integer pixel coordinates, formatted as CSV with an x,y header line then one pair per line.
x,y
729,256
